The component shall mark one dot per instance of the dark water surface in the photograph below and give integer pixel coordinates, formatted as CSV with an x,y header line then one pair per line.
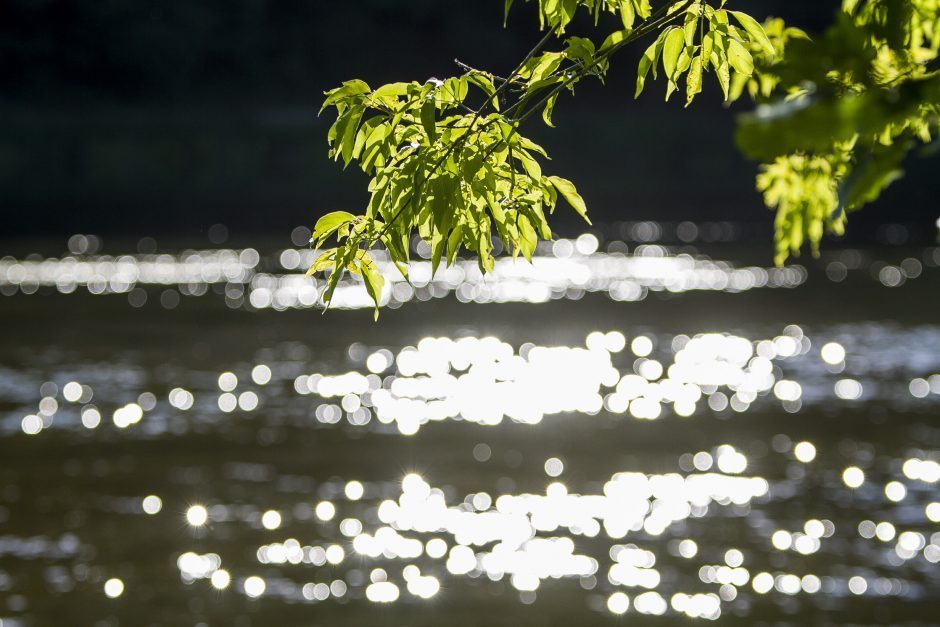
x,y
657,436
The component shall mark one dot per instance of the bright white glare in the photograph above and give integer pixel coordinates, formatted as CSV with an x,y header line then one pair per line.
x,y
128,415
763,583
788,390
932,512
354,490
382,592
271,519
197,515
325,511
618,603
335,554
254,587
152,504
461,560
895,491
220,579
848,389
885,531
782,540
72,391
31,424
650,603
641,346
113,588
814,528
805,452
833,353
854,477
688,548
379,362
436,548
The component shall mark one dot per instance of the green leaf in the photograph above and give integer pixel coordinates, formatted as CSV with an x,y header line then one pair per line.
x,y
372,278
428,120
693,81
549,109
722,70
627,14
324,262
739,57
672,48
756,31
350,132
648,62
330,223
567,189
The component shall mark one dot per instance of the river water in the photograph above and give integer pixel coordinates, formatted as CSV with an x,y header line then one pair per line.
x,y
611,432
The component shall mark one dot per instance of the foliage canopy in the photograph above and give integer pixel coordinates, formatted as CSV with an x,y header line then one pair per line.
x,y
835,117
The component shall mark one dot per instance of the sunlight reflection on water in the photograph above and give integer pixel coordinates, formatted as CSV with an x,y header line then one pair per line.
x,y
638,472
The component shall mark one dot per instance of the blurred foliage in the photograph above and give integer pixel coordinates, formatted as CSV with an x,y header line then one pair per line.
x,y
842,113
448,160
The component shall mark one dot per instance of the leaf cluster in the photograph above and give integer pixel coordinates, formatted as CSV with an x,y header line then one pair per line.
x,y
851,106
450,173
448,161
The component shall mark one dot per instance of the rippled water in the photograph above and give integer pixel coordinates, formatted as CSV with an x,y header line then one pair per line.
x,y
651,433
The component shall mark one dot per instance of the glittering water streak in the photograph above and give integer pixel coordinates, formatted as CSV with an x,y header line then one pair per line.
x,y
557,272
486,381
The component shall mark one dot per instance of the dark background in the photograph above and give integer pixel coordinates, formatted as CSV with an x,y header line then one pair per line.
x,y
150,117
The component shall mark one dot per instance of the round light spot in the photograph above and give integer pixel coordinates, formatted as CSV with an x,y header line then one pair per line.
x,y
858,585
271,520
854,477
221,579
261,374
554,467
152,504
805,452
436,548
885,531
833,353
933,512
618,603
254,587
354,490
197,515
325,511
641,346
895,491
91,418
31,424
228,381
782,540
248,401
72,391
113,588
228,402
